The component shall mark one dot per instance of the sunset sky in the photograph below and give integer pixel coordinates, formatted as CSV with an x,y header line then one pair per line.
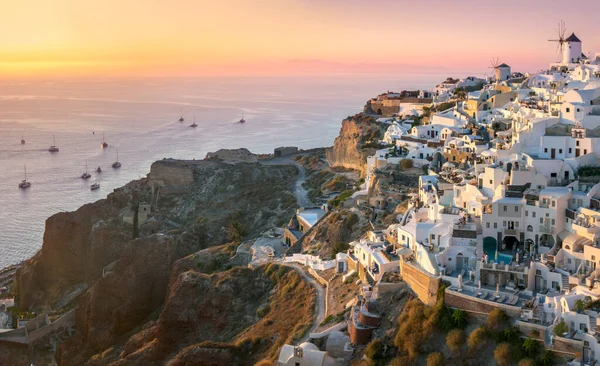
x,y
54,38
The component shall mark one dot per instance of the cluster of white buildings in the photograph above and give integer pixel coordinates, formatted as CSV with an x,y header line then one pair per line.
x,y
502,209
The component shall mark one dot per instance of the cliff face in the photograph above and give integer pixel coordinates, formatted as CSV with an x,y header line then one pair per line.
x,y
77,245
351,147
233,317
199,203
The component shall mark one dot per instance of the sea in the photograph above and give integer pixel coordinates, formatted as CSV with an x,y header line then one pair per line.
x,y
139,119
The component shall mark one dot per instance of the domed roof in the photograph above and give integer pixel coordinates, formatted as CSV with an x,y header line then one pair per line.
x,y
335,344
309,346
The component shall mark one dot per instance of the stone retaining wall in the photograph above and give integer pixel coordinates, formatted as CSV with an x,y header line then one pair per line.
x,y
420,282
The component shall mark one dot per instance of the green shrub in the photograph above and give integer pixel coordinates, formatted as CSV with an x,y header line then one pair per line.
x,y
503,354
455,339
374,350
435,359
476,338
530,347
561,328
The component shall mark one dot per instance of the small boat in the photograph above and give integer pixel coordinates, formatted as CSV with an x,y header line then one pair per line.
x,y
103,144
116,164
242,120
98,170
22,140
181,119
94,186
85,175
25,183
194,125
53,148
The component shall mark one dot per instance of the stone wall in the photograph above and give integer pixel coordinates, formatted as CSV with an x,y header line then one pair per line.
x,y
420,282
454,299
170,173
41,335
570,346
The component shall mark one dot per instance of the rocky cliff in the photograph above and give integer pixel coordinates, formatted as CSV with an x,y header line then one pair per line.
x,y
198,203
235,317
357,139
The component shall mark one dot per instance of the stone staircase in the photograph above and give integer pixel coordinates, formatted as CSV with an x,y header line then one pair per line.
x,y
593,325
565,282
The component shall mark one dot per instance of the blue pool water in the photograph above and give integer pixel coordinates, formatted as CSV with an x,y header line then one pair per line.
x,y
490,250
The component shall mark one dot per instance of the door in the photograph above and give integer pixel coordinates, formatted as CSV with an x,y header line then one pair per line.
x,y
553,154
576,152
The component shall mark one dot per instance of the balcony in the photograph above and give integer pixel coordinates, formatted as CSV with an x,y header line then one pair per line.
x,y
511,232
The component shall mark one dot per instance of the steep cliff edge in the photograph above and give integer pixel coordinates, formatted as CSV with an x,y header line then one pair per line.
x,y
357,139
199,203
241,314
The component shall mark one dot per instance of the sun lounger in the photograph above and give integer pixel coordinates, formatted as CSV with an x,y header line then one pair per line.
x,y
501,299
484,295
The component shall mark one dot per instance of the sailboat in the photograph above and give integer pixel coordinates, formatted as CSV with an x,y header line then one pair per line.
x,y
181,119
22,140
98,169
116,164
25,183
194,125
53,148
94,186
103,144
85,175
242,120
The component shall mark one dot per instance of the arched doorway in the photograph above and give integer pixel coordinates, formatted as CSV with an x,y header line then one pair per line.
x,y
510,243
508,168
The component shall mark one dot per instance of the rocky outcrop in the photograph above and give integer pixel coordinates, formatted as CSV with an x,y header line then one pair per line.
x,y
233,155
354,143
235,317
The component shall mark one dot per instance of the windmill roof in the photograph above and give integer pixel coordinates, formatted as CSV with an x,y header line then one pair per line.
x,y
503,65
572,38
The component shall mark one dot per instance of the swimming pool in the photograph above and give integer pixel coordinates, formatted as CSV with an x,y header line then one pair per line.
x,y
490,250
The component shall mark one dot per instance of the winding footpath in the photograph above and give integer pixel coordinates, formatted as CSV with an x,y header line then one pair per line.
x,y
320,305
299,191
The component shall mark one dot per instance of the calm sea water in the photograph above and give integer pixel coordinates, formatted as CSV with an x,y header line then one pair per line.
x,y
139,119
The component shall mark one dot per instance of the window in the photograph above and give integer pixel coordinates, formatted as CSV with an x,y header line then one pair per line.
x,y
568,109
533,214
516,224
491,181
505,208
529,228
516,208
560,151
584,151
364,258
593,257
570,150
553,203
577,109
487,225
526,213
541,220
545,149
403,238
553,222
577,143
504,223
495,225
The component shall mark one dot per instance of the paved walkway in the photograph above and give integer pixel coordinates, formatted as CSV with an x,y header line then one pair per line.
x,y
299,191
320,306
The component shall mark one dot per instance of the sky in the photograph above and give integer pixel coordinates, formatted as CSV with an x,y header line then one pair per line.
x,y
56,38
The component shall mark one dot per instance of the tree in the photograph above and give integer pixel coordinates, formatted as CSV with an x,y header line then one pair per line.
x,y
579,306
496,319
435,359
476,338
459,318
561,328
526,362
374,350
530,347
503,354
455,339
547,358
